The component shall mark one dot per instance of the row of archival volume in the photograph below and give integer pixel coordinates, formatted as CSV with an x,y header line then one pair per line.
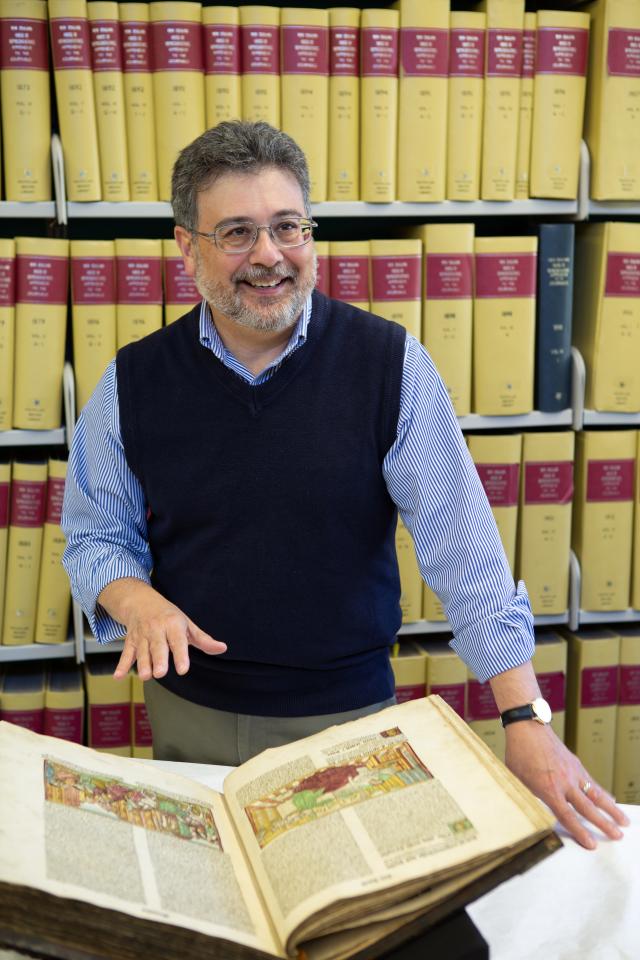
x,y
497,314
415,102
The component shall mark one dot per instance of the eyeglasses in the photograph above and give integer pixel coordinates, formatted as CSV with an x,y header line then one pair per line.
x,y
239,236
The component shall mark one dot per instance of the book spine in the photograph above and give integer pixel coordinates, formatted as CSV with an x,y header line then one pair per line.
x,y
497,460
106,61
7,330
24,94
410,579
635,571
54,592
180,291
22,703
71,56
422,106
260,60
108,713
483,717
504,325
344,104
5,499
379,105
409,672
222,67
93,312
446,676
465,105
64,708
26,522
178,82
349,272
396,284
137,81
523,153
554,312
323,281
141,736
626,764
138,289
42,282
305,89
550,664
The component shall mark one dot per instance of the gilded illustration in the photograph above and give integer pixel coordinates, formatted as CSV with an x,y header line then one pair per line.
x,y
139,806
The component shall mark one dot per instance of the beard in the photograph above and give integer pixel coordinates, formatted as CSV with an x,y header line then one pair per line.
x,y
227,298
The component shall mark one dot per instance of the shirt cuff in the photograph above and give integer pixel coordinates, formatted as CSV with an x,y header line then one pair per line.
x,y
103,626
500,642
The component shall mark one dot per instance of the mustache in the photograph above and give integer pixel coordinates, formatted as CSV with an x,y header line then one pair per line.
x,y
264,275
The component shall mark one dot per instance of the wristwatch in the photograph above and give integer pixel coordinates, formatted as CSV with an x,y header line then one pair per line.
x,y
538,710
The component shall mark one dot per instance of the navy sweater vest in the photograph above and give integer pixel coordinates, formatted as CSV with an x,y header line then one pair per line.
x,y
270,524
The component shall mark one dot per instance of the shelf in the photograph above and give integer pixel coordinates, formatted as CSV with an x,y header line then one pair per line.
x,y
42,210
614,208
102,210
37,651
474,421
590,617
91,645
594,418
32,438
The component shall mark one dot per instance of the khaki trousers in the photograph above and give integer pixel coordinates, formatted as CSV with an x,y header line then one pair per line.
x,y
188,732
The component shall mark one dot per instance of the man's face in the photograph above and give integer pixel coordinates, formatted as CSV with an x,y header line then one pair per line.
x,y
264,288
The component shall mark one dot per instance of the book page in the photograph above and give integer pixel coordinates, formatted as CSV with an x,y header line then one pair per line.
x,y
124,836
379,808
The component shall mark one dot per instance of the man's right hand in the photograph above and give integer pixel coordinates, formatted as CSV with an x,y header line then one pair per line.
x,y
156,629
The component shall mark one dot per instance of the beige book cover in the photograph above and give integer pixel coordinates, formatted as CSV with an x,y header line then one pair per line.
x,y
558,103
432,606
141,737
503,71
612,125
497,459
446,675
349,272
42,284
410,579
422,103
465,104
138,289
106,61
178,82
447,306
483,716
5,500
323,280
71,56
222,67
180,292
24,98
606,314
523,153
626,764
54,590
24,549
137,79
408,662
602,530
396,282
64,702
592,700
635,550
544,522
504,325
108,705
93,312
260,61
344,104
304,103
7,330
550,664
378,105
22,696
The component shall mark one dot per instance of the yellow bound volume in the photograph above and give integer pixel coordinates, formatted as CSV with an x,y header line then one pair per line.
x,y
446,675
483,717
24,94
5,499
349,272
71,54
523,154
260,59
635,572
54,591
42,283
7,330
344,104
27,514
550,664
108,706
93,312
222,69
140,727
504,325
106,57
396,285
410,579
64,702
138,100
626,764
379,105
409,671
465,104
178,82
180,292
323,281
138,289
497,460
22,696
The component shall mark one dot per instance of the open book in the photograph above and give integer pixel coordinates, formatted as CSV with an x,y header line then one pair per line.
x,y
339,845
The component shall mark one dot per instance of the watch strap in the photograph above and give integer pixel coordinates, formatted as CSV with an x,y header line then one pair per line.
x,y
525,712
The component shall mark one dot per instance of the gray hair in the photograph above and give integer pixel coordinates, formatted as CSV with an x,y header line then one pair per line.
x,y
234,146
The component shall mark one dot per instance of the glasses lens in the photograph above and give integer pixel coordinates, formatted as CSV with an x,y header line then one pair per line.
x,y
237,236
291,232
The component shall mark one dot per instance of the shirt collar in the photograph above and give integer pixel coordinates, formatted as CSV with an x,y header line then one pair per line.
x,y
210,338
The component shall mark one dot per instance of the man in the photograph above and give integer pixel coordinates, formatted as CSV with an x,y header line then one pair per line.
x,y
233,488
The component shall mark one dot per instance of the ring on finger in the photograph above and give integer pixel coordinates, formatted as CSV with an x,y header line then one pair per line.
x,y
586,786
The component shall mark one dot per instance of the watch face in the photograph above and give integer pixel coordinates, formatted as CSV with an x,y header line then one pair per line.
x,y
542,710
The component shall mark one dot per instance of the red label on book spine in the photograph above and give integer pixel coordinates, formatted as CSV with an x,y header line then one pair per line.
x,y
179,288
106,47
176,45
110,725
610,480
23,44
136,46
629,685
500,482
141,726
344,51
260,49
55,496
70,44
424,53
4,505
66,724
562,51
322,278
379,52
449,276
480,702
466,53
305,50
139,280
452,693
395,278
623,275
221,48
528,53
553,687
93,280
623,52
550,482
504,53
29,719
410,692
350,278
599,686
7,281
42,279
28,502
505,275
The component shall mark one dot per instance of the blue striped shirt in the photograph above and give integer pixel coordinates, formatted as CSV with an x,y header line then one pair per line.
x,y
428,472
